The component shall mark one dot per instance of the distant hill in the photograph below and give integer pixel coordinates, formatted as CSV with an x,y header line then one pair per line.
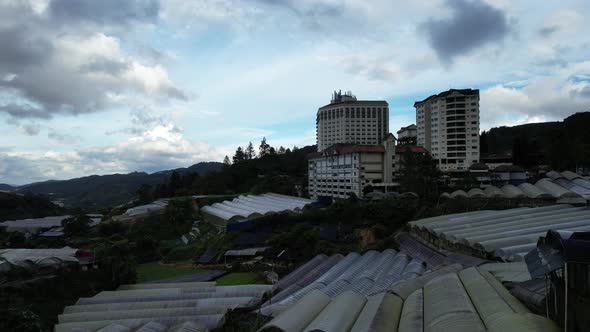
x,y
98,191
560,144
6,187
15,206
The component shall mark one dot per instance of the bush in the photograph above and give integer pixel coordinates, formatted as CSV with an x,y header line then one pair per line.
x,y
109,228
182,253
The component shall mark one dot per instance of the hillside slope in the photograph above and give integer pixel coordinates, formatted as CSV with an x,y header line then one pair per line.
x,y
97,191
561,144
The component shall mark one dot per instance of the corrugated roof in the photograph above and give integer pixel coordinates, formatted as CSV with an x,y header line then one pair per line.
x,y
169,306
251,206
557,187
367,274
470,300
508,234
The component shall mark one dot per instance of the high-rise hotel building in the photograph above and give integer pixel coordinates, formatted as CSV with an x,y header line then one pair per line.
x,y
448,127
355,149
351,121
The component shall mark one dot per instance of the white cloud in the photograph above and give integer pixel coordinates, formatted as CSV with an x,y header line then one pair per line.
x,y
544,98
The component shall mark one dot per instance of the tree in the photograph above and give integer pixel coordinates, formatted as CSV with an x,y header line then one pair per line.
x,y
281,150
226,161
77,225
145,194
264,148
419,174
249,154
239,156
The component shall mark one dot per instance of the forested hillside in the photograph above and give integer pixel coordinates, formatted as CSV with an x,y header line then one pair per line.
x,y
561,145
97,191
278,170
13,206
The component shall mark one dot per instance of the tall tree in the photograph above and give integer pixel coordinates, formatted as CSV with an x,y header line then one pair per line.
x,y
264,148
239,156
250,154
226,161
419,174
281,150
174,183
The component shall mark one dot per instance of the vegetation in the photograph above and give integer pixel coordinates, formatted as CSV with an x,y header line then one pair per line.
x,y
14,206
419,174
98,191
76,226
278,170
157,271
561,145
239,278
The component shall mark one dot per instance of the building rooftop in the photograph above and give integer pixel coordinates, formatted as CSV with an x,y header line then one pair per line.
x,y
251,206
507,234
371,273
201,305
443,300
467,92
337,149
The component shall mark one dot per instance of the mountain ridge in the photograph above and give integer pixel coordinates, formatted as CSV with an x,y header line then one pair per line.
x,y
97,191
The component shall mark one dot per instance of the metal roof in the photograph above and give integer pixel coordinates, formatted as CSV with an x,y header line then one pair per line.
x,y
469,300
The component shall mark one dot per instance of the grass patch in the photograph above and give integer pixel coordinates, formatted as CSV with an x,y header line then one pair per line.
x,y
156,271
239,278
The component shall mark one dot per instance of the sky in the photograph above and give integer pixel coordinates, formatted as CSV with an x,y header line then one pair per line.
x,y
100,87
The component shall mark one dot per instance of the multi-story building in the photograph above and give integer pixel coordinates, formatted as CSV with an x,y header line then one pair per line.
x,y
407,135
448,127
344,169
347,120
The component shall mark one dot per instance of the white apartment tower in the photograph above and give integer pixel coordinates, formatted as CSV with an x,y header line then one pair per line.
x,y
448,127
347,120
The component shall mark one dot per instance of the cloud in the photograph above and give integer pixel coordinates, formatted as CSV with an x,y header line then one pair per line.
x,y
472,24
105,12
544,98
30,129
71,67
548,31
159,148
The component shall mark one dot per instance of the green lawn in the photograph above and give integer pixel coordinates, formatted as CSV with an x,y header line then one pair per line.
x,y
156,271
239,278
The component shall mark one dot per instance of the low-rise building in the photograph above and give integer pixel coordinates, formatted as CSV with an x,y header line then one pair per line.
x,y
344,169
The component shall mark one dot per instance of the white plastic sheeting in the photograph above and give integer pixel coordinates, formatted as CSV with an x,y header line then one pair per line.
x,y
469,300
168,305
367,274
558,188
251,206
34,225
30,258
158,205
507,233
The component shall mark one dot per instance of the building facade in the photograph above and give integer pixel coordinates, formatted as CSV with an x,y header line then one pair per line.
x,y
347,120
407,135
448,127
345,169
